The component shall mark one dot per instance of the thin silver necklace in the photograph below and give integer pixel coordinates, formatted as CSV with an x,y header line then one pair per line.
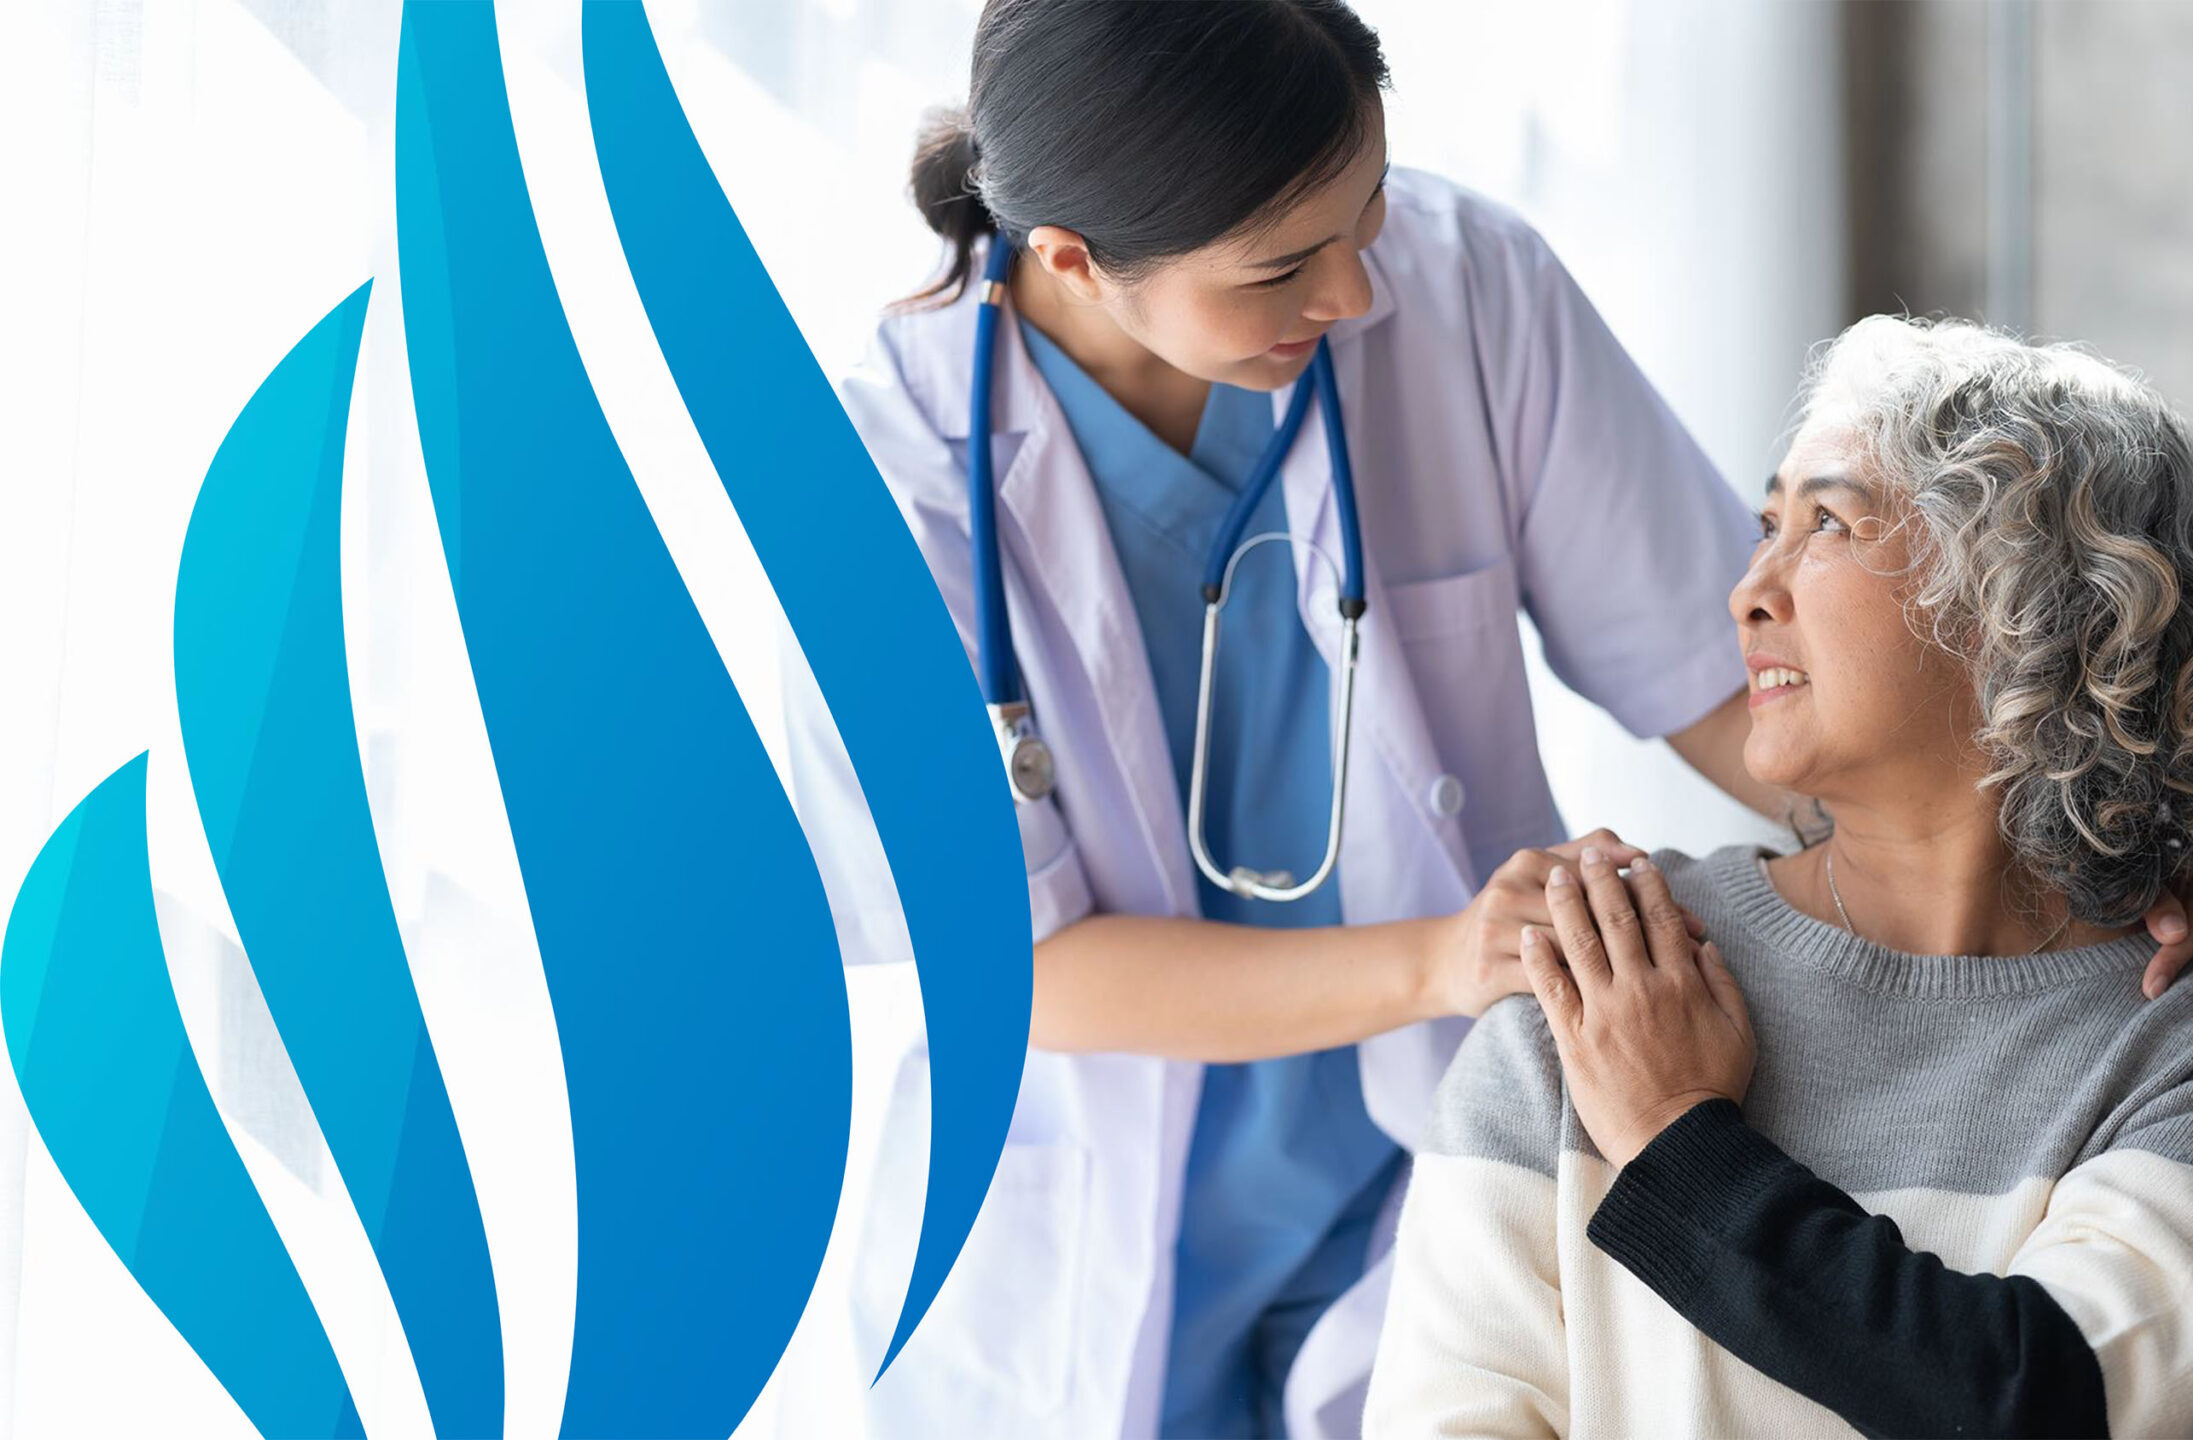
x,y
1835,892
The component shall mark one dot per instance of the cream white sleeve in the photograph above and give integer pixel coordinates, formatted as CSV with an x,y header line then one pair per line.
x,y
1474,1342
2115,1250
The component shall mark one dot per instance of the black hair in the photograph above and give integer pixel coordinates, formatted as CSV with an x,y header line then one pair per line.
x,y
1149,127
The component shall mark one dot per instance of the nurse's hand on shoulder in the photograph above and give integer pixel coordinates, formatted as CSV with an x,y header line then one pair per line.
x,y
2166,922
1648,1021
1478,954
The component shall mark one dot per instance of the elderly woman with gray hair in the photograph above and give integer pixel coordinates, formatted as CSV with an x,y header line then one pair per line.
x,y
1900,1147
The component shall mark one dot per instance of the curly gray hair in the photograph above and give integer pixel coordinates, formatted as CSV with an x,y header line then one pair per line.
x,y
2049,506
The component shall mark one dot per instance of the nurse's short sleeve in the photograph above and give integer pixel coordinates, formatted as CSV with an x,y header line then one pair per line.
x,y
1628,540
1058,887
929,485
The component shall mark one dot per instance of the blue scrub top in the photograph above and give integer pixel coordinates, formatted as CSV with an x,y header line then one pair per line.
x,y
1286,1171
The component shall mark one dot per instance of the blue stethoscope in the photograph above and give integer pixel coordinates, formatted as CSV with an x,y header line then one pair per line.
x,y
1029,767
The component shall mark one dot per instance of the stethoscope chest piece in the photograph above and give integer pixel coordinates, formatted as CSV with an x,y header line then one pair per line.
x,y
1028,764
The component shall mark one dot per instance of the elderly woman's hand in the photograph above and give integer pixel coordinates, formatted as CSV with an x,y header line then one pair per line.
x,y
1477,956
1648,1024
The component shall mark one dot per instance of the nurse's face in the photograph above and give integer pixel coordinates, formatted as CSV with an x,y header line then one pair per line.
x,y
1847,701
1248,309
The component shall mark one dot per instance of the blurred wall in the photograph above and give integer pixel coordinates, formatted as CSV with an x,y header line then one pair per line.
x,y
1686,160
2100,214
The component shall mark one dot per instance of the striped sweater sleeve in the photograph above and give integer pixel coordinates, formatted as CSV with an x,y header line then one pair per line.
x,y
2087,1334
1473,1341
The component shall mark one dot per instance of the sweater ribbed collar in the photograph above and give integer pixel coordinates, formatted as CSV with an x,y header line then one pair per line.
x,y
1738,875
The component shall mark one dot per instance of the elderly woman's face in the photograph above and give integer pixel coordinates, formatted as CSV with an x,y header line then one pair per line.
x,y
1841,685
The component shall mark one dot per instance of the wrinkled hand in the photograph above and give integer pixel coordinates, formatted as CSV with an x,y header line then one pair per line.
x,y
1478,954
1647,1022
2166,922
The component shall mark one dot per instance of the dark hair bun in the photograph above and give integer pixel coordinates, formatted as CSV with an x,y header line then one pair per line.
x,y
943,187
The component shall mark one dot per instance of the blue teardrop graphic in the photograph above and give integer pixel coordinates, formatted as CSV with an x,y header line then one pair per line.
x,y
687,946
683,929
881,644
109,1079
264,696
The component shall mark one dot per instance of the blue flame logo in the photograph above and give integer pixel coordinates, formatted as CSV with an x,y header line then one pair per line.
x,y
683,930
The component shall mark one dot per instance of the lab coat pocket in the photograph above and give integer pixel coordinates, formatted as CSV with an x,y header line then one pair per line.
x,y
1454,604
1464,648
1009,1307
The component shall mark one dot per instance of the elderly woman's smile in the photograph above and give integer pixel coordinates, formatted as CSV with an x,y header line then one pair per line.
x,y
1773,678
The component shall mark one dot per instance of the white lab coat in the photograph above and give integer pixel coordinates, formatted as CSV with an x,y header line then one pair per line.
x,y
1506,453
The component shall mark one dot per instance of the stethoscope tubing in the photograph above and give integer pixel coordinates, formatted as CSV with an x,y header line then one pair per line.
x,y
995,665
998,670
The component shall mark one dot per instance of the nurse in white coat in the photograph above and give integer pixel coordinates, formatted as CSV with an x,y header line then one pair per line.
x,y
1187,1230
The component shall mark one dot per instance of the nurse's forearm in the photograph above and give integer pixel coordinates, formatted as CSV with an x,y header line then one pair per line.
x,y
1714,747
1200,990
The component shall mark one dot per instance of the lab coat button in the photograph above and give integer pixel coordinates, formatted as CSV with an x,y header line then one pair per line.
x,y
1445,797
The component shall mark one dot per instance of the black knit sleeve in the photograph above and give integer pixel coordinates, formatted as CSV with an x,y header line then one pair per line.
x,y
1792,1276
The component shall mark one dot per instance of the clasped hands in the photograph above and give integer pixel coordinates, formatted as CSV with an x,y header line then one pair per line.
x,y
1647,1019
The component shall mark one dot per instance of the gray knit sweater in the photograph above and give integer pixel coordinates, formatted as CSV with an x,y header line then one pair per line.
x,y
1957,1199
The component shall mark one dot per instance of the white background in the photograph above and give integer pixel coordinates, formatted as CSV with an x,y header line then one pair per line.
x,y
190,184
